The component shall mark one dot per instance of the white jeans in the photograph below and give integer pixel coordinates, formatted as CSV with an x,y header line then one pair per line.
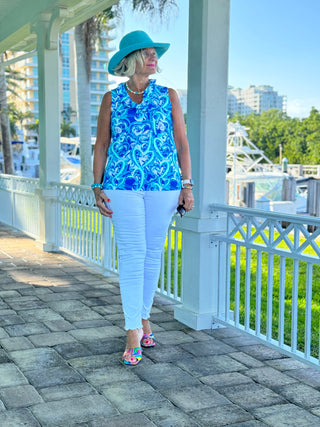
x,y
140,220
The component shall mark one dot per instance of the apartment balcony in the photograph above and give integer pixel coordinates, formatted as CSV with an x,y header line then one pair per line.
x,y
101,68
32,64
97,91
32,99
33,87
101,80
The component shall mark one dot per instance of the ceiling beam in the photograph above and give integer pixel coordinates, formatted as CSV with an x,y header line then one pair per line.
x,y
17,26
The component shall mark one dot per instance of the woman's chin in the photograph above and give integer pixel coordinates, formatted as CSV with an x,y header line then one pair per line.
x,y
152,70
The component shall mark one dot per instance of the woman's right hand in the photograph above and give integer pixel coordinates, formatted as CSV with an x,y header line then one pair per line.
x,y
101,202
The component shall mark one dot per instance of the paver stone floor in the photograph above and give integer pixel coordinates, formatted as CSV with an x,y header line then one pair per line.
x,y
61,340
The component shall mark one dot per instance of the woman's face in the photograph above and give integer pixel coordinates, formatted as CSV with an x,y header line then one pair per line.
x,y
150,61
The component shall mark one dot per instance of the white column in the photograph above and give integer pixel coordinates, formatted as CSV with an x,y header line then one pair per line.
x,y
207,129
49,125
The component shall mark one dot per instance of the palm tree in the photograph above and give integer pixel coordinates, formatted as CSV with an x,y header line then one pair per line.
x,y
34,127
5,123
86,36
66,129
8,83
19,116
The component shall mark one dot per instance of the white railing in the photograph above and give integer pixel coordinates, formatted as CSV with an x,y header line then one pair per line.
x,y
269,264
19,201
80,229
85,233
170,283
304,170
294,169
270,278
271,261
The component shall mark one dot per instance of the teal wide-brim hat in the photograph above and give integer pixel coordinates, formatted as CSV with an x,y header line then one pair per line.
x,y
134,41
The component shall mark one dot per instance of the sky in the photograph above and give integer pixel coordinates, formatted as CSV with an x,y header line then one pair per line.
x,y
272,42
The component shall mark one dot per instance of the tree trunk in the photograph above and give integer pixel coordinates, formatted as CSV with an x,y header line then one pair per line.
x,y
5,124
84,119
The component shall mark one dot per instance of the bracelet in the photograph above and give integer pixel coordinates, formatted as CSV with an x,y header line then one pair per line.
x,y
96,186
187,187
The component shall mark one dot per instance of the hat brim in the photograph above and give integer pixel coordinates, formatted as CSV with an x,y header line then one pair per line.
x,y
160,48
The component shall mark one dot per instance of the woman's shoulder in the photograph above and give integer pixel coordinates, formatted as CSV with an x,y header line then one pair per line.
x,y
106,101
107,97
173,95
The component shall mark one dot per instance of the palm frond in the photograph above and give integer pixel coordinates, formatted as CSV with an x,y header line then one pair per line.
x,y
92,28
154,7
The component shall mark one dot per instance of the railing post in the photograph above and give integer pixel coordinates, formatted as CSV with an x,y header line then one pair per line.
x,y
300,170
50,224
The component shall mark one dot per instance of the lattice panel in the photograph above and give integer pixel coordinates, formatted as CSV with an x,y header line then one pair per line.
x,y
6,183
26,185
18,184
76,195
271,234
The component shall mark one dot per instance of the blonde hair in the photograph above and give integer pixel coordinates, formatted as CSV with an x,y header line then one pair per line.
x,y
127,66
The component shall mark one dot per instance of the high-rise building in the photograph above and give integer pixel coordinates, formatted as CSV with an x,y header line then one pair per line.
x,y
255,99
99,81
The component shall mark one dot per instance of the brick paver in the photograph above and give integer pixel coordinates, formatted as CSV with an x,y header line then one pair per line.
x,y
61,340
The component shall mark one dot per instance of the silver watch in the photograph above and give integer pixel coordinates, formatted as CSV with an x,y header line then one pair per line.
x,y
187,181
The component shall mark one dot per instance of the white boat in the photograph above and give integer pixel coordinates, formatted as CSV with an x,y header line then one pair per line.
x,y
246,164
26,159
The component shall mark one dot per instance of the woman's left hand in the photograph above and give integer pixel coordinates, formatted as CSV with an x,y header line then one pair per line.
x,y
186,199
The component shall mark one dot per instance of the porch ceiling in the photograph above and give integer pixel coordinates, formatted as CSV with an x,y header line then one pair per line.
x,y
17,18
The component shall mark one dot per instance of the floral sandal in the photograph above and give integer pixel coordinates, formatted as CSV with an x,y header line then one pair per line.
x,y
132,356
148,340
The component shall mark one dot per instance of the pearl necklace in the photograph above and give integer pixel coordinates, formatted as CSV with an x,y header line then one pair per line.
x,y
135,93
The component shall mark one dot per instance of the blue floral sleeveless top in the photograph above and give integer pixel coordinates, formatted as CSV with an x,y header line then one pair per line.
x,y
142,155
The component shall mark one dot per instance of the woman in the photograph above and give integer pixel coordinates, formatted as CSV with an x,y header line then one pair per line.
x,y
141,133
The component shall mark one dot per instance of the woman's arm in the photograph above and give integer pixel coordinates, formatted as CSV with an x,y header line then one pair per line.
x,y
101,152
182,146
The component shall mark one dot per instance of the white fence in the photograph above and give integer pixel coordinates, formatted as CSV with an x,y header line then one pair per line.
x,y
295,170
19,204
81,230
304,170
269,264
272,278
85,233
